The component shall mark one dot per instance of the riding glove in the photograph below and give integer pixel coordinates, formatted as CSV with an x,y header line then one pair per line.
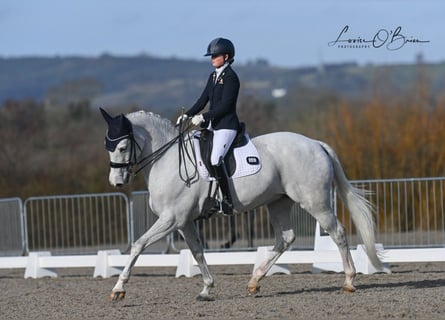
x,y
198,119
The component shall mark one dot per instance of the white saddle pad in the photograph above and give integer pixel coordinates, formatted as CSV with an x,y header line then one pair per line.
x,y
247,159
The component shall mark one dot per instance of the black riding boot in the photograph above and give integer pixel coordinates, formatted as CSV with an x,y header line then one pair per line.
x,y
220,174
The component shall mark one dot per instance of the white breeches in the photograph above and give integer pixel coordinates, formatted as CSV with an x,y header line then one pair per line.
x,y
222,140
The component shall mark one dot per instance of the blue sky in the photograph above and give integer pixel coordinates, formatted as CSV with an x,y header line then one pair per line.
x,y
286,33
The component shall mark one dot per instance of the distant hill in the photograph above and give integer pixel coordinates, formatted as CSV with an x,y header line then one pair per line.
x,y
169,83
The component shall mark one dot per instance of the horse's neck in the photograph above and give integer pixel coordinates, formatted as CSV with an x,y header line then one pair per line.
x,y
149,142
155,130
158,140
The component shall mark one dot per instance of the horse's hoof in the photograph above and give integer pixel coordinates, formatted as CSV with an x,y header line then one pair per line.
x,y
348,289
117,296
252,289
204,298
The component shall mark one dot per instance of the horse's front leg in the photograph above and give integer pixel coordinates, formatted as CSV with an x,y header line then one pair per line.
x,y
162,227
191,236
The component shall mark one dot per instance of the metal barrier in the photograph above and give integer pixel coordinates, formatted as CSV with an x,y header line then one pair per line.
x,y
12,232
77,223
409,212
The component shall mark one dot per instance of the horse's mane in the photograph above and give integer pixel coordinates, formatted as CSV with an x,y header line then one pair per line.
x,y
152,122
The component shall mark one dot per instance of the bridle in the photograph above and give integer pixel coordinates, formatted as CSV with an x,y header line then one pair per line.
x,y
156,155
133,158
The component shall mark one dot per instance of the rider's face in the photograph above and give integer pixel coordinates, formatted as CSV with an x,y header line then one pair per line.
x,y
218,60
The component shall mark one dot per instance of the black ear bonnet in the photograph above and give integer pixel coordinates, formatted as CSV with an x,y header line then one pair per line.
x,y
119,128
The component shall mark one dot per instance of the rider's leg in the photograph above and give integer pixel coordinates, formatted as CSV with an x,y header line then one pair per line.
x,y
222,140
223,180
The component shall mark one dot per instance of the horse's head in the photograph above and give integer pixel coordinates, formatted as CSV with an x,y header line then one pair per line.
x,y
123,149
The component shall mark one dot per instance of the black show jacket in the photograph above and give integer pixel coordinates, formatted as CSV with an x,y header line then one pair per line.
x,y
222,96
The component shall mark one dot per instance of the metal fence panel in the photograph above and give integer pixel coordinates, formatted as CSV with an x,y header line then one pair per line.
x,y
12,241
77,223
409,212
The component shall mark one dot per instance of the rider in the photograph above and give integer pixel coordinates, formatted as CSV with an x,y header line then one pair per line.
x,y
221,91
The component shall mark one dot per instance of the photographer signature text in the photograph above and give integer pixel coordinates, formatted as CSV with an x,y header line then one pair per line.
x,y
391,39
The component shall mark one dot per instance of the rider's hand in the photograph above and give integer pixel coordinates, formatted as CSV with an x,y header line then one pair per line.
x,y
181,118
198,119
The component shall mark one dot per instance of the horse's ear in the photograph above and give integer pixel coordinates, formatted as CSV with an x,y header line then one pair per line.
x,y
106,116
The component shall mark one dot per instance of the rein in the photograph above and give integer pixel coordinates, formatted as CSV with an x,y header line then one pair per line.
x,y
156,155
184,154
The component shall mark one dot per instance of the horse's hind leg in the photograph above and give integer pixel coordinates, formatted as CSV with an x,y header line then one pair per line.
x,y
329,222
279,215
191,236
162,227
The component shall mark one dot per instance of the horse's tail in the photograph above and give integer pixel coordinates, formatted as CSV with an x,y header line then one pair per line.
x,y
360,208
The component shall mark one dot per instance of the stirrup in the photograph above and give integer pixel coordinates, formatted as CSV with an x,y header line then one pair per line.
x,y
213,205
226,207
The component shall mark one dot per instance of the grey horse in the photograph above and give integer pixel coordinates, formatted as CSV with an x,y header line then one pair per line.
x,y
295,169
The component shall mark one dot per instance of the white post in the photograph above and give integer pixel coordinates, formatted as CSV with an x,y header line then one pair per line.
x,y
103,268
362,262
187,265
33,269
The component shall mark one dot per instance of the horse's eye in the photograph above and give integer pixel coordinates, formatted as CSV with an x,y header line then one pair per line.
x,y
122,149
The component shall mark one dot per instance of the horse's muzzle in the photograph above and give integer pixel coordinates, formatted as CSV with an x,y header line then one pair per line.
x,y
119,177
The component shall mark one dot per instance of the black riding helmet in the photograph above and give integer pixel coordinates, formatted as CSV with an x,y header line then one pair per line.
x,y
221,46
